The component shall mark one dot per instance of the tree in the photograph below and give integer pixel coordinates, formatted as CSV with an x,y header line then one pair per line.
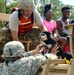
x,y
9,4
2,10
71,12
2,6
56,7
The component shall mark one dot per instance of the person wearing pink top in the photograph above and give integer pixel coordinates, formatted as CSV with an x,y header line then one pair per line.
x,y
50,24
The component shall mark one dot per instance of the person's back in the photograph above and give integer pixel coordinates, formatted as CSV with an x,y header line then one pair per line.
x,y
24,66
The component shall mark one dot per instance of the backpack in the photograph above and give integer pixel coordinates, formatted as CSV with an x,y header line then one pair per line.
x,y
19,15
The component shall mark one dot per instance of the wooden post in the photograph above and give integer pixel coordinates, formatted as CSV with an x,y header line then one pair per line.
x,y
28,44
70,29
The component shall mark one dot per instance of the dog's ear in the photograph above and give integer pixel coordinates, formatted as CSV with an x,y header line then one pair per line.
x,y
47,33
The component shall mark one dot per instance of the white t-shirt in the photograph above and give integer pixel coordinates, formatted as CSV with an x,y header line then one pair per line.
x,y
51,56
14,21
63,24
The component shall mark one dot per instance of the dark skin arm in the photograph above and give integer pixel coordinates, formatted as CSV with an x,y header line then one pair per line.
x,y
54,31
59,27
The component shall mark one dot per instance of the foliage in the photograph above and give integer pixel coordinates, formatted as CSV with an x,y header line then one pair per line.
x,y
6,9
56,7
7,5
2,10
72,12
2,6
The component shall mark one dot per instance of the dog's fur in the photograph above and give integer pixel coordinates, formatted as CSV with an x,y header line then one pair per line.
x,y
49,41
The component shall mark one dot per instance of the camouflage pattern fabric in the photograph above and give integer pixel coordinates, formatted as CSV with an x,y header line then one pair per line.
x,y
27,64
5,36
24,66
33,35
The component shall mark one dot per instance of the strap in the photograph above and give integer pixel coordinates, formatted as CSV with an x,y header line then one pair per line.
x,y
32,18
19,13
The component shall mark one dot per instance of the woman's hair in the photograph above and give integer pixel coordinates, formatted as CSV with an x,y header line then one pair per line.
x,y
64,8
46,8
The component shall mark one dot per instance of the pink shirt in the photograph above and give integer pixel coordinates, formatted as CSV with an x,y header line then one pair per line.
x,y
49,25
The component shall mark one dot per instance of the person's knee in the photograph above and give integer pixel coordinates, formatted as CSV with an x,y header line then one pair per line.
x,y
62,39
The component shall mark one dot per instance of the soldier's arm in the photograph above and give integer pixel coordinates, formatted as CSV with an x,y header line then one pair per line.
x,y
33,52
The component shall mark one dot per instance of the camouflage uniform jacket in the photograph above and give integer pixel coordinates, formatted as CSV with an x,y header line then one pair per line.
x,y
28,65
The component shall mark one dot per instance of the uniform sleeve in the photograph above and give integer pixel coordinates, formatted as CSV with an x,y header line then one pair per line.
x,y
30,53
14,21
38,60
37,18
42,59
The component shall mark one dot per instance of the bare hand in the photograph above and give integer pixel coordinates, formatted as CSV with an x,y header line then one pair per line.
x,y
38,47
55,49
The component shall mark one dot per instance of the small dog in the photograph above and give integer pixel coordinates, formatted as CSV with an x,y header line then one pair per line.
x,y
49,41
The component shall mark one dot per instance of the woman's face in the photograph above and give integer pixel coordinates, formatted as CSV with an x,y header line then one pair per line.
x,y
49,14
27,13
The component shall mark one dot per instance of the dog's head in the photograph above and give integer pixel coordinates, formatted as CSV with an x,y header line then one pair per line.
x,y
49,41
44,35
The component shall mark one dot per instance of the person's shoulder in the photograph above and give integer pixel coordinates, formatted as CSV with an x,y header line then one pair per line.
x,y
35,11
14,14
43,19
53,21
58,20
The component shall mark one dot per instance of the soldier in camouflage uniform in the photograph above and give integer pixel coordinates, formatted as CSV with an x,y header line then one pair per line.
x,y
19,63
5,36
